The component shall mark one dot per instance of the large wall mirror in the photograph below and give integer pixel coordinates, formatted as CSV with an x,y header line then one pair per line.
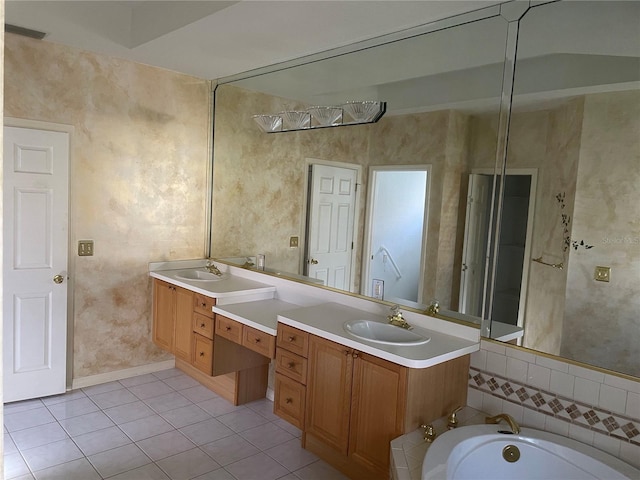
x,y
575,110
575,130
442,90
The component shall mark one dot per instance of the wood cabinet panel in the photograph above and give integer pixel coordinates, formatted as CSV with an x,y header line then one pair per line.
x,y
202,357
292,365
203,304
292,339
183,323
377,410
203,325
289,401
229,329
258,341
329,392
163,314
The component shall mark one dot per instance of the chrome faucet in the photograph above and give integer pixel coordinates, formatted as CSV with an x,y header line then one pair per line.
x,y
515,428
211,268
396,318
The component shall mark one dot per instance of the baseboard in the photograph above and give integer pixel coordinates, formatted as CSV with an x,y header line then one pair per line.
x,y
91,380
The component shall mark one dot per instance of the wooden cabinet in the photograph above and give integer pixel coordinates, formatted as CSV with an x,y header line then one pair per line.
x,y
290,389
202,353
357,403
172,307
249,337
329,381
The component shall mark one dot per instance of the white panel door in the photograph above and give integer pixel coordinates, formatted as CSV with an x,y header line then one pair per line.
x,y
36,172
474,252
331,220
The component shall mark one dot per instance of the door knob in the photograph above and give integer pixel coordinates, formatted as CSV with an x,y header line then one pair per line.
x,y
314,261
58,279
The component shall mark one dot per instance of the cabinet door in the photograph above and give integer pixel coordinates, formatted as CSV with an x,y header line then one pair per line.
x,y
377,406
184,324
163,314
329,392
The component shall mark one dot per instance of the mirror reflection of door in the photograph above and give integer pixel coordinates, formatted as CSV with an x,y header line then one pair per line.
x,y
514,247
395,233
474,250
330,224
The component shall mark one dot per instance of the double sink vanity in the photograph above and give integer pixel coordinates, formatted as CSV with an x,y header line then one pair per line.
x,y
341,374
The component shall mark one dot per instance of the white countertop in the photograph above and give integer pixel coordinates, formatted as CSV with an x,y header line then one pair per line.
x,y
230,286
326,320
260,314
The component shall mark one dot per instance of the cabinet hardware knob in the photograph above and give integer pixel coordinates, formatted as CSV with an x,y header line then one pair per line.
x,y
202,354
227,328
291,338
288,400
291,364
354,354
204,304
257,340
202,325
346,352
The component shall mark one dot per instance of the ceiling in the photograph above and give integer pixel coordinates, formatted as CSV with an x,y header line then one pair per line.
x,y
215,39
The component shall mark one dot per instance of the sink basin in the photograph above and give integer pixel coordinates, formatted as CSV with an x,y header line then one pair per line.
x,y
383,333
198,276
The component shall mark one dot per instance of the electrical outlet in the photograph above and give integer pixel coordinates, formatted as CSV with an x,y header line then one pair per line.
x,y
378,289
85,248
293,242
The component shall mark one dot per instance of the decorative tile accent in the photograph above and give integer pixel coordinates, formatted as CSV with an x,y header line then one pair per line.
x,y
591,417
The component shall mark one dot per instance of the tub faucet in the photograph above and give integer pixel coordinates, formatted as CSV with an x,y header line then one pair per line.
x,y
515,428
211,268
396,318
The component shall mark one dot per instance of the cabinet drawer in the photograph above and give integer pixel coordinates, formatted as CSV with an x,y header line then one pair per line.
x,y
258,341
203,304
202,353
203,325
292,339
229,329
289,398
292,365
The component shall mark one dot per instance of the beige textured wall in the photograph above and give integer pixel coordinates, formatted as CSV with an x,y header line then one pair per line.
x,y
259,180
138,180
548,140
601,320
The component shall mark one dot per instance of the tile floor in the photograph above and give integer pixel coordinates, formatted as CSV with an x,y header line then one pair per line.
x,y
163,425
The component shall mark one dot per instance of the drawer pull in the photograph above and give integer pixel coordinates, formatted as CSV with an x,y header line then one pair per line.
x,y
291,338
257,340
227,328
204,304
288,400
202,354
346,352
202,325
354,354
291,364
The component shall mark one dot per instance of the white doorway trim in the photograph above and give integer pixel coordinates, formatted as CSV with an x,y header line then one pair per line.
x,y
71,258
308,163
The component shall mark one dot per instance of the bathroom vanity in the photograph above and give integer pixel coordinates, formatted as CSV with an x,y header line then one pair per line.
x,y
350,390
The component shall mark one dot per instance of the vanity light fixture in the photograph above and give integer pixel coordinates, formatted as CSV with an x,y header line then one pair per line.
x,y
349,113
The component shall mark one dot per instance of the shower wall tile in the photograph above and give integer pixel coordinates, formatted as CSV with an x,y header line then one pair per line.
x,y
559,397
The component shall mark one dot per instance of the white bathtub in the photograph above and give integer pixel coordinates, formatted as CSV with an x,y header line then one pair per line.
x,y
476,452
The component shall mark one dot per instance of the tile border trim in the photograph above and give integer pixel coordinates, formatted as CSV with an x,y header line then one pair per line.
x,y
591,417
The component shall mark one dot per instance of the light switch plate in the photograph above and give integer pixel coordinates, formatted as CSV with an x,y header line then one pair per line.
x,y
85,248
293,242
602,274
378,289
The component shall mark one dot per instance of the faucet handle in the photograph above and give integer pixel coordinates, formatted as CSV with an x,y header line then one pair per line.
x,y
452,421
429,433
